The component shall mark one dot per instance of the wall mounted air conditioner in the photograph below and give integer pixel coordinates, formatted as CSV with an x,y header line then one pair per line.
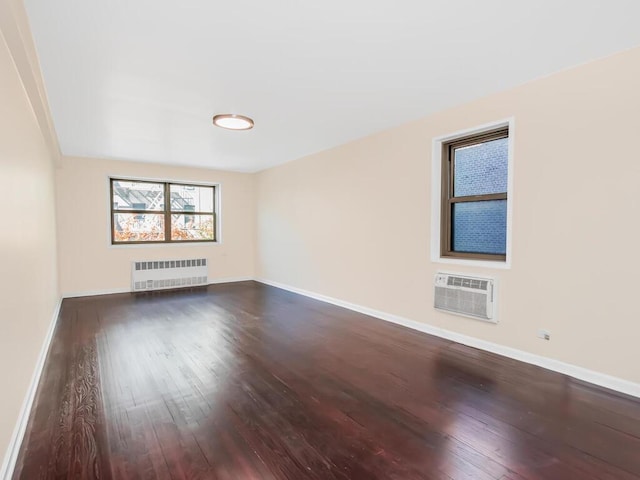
x,y
473,297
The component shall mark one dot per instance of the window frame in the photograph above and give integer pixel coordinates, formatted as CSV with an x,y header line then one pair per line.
x,y
449,199
166,212
437,154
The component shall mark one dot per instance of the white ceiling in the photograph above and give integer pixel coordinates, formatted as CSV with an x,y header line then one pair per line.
x,y
141,79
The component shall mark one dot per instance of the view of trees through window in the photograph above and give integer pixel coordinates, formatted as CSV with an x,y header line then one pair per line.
x,y
141,213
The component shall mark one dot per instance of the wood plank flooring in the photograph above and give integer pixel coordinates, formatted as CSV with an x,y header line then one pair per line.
x,y
244,381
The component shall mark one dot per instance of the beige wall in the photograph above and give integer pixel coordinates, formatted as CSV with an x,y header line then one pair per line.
x,y
28,290
88,263
353,222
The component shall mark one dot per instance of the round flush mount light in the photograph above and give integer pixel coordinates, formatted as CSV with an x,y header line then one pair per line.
x,y
231,121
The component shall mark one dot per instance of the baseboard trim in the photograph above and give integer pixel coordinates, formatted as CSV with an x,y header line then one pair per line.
x,y
11,455
93,293
580,373
230,280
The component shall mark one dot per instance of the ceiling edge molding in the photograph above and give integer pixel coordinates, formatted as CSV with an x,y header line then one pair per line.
x,y
14,27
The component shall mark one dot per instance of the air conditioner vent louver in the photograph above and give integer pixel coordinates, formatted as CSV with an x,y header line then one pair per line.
x,y
474,283
163,274
468,296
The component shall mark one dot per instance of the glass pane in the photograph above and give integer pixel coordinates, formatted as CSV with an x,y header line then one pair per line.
x,y
133,227
138,196
480,169
191,198
192,227
480,227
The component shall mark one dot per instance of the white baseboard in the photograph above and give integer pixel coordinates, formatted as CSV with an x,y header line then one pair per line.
x,y
580,373
92,293
230,280
11,455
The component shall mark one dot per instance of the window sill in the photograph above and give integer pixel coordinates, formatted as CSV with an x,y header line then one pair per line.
x,y
500,265
160,244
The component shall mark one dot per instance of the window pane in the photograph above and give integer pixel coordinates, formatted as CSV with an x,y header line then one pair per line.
x,y
480,227
481,169
143,227
192,227
190,198
138,196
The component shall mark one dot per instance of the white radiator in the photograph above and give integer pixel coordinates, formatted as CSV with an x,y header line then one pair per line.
x,y
162,274
468,296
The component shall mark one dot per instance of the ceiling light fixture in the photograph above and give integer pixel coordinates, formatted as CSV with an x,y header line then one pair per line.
x,y
231,121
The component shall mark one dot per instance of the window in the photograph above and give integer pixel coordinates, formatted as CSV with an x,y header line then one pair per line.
x,y
161,212
474,196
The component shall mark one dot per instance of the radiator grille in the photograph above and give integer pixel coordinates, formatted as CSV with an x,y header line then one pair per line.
x,y
163,274
161,264
169,283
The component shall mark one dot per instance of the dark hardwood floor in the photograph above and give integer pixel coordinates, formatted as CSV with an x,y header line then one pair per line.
x,y
245,381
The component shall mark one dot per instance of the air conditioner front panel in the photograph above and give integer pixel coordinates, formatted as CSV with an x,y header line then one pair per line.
x,y
468,296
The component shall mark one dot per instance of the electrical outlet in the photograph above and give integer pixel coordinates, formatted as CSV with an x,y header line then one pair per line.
x,y
544,334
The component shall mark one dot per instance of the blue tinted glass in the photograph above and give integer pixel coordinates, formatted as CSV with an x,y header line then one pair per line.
x,y
480,227
481,168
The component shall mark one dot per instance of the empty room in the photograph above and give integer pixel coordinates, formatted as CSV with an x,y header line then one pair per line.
x,y
319,240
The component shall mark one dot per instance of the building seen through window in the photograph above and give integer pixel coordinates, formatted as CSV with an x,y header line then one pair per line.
x,y
152,212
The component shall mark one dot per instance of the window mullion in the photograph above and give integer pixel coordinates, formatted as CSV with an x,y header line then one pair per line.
x,y
479,198
167,213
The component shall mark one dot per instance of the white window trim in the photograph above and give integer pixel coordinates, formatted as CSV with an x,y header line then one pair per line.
x,y
217,211
436,188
